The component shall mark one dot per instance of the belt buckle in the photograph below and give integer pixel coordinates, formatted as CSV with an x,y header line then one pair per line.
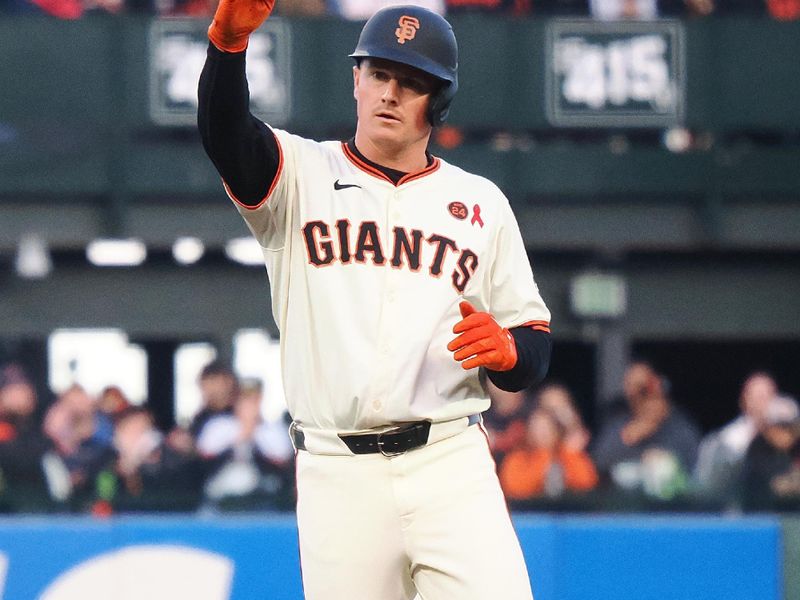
x,y
379,441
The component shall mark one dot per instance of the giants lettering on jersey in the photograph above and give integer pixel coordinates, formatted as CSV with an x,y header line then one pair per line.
x,y
326,245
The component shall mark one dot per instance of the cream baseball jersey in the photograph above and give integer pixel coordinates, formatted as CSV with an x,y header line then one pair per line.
x,y
366,277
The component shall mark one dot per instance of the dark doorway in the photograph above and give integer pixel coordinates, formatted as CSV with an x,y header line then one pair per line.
x,y
573,364
705,376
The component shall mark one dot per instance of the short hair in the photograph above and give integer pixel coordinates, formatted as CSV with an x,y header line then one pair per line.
x,y
643,362
217,367
135,411
12,374
759,373
252,385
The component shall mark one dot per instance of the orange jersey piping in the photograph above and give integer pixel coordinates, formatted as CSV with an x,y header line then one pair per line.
x,y
271,187
376,173
538,325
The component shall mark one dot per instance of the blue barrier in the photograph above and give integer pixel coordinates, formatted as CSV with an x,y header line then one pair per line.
x,y
652,558
256,557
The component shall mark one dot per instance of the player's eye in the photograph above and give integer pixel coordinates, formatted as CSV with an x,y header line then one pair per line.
x,y
417,86
379,75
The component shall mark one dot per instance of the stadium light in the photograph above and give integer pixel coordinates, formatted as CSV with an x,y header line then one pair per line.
x,y
244,250
188,250
32,260
116,252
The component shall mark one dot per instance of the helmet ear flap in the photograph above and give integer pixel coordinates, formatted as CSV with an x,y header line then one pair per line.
x,y
439,103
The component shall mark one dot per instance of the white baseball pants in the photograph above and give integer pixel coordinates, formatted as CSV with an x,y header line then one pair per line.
x,y
431,521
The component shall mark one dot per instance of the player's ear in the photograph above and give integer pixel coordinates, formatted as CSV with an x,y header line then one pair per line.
x,y
356,75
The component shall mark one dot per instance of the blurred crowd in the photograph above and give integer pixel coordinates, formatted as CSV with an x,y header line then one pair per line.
x,y
362,9
101,454
647,449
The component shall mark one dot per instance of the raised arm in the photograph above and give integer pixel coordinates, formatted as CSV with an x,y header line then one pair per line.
x,y
243,149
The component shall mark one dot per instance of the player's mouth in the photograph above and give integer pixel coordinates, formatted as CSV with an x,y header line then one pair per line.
x,y
388,117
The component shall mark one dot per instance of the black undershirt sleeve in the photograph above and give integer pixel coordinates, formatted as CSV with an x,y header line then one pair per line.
x,y
533,359
243,149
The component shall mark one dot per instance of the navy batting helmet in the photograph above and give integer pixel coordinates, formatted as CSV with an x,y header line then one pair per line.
x,y
419,38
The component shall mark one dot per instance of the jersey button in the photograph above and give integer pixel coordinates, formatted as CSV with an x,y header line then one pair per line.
x,y
377,405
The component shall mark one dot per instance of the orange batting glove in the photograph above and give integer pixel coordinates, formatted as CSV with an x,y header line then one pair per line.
x,y
482,341
235,20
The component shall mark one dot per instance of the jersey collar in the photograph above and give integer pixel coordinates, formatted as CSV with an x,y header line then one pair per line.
x,y
396,178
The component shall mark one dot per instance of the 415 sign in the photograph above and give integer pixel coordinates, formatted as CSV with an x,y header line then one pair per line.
x,y
621,74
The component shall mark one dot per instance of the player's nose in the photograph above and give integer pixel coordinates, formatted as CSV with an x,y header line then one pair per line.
x,y
391,91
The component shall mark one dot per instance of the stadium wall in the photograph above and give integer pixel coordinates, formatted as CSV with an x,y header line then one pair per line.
x,y
243,558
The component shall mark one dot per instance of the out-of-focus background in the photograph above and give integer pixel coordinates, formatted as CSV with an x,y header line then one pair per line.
x,y
651,152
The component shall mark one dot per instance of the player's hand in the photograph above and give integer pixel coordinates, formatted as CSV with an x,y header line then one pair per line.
x,y
235,20
482,342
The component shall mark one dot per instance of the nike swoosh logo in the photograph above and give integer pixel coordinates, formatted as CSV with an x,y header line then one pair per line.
x,y
343,186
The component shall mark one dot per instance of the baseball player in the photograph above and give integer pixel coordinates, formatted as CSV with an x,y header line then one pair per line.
x,y
395,277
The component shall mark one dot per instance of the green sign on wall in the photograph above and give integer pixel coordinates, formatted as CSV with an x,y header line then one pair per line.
x,y
177,53
620,74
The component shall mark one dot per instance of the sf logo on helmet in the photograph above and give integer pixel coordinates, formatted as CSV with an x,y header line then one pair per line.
x,y
407,30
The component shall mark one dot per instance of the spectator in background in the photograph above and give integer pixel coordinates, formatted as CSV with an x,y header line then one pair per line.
x,y
303,8
361,10
59,9
506,420
508,7
103,7
69,10
82,438
722,452
248,456
771,469
616,10
184,8
546,465
219,388
519,8
784,10
153,472
556,398
137,442
686,8
22,445
649,444
18,403
113,403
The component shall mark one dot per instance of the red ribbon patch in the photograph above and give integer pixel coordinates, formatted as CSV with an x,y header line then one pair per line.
x,y
476,216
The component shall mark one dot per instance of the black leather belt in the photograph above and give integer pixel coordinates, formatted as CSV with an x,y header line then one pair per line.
x,y
391,442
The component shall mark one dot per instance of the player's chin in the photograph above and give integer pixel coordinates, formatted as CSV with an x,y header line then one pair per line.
x,y
388,128
388,134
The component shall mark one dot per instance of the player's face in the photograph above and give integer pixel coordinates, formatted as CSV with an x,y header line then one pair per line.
x,y
392,102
